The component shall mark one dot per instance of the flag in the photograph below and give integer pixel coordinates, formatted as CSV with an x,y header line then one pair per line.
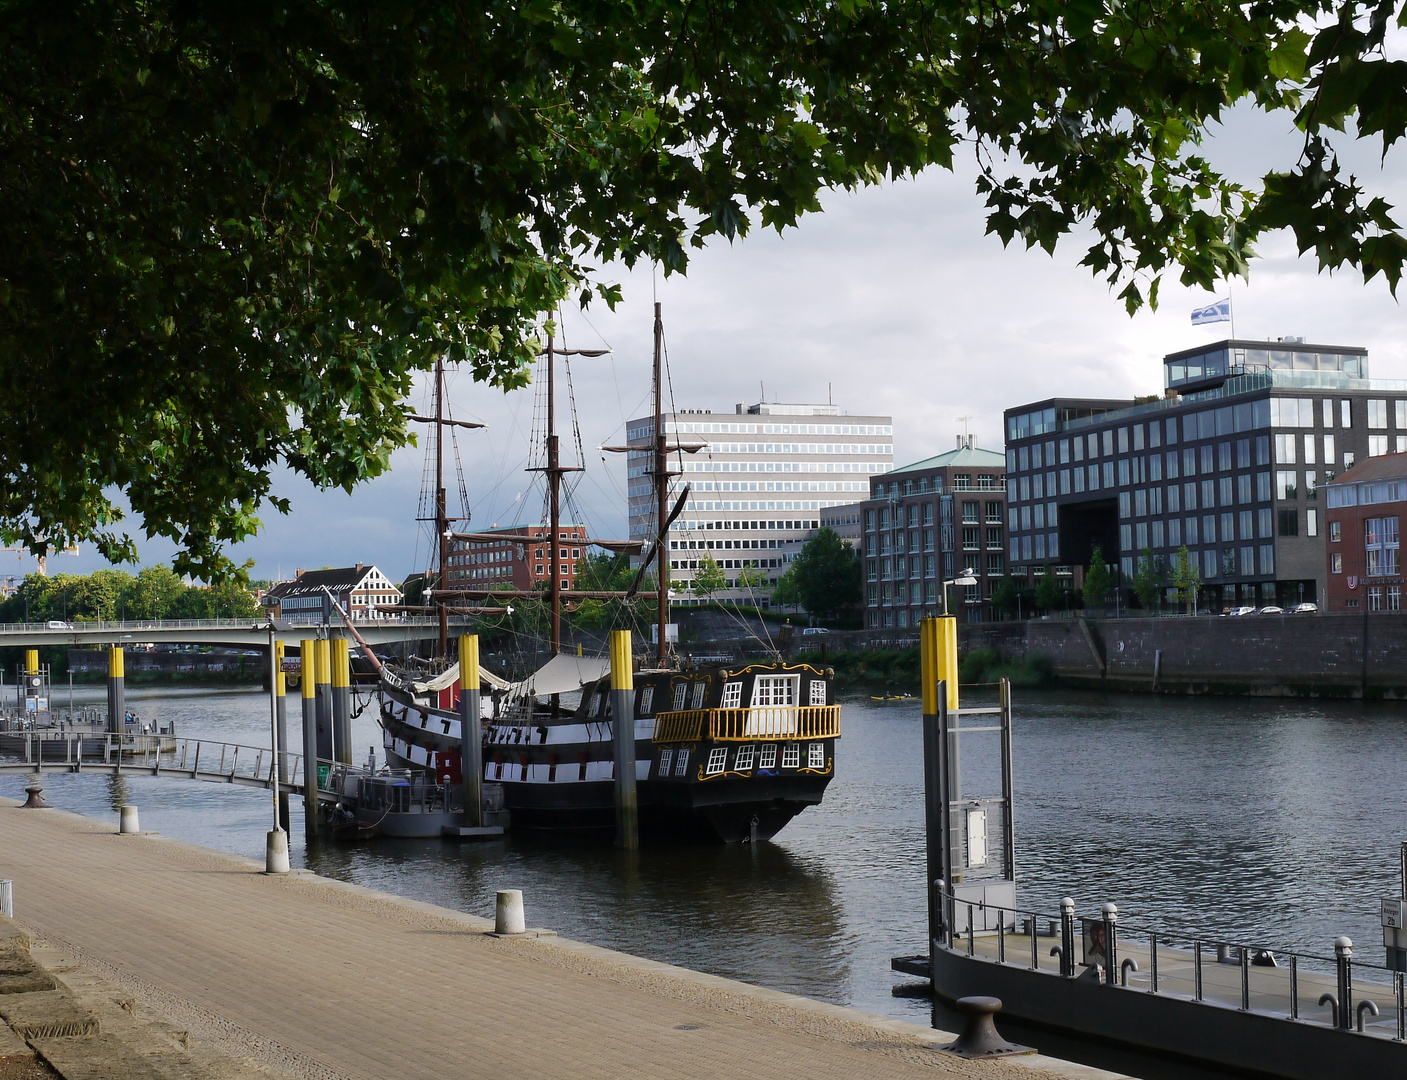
x,y
1220,311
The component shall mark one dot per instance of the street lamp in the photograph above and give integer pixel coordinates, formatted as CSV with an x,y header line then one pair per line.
x,y
965,578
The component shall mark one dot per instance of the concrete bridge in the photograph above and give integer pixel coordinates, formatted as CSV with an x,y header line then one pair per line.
x,y
246,633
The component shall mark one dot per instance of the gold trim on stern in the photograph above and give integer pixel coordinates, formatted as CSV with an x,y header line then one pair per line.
x,y
746,725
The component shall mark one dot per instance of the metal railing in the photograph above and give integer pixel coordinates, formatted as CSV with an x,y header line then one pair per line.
x,y
156,755
313,619
1186,963
741,725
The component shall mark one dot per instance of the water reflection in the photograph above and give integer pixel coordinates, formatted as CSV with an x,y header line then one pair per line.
x,y
119,793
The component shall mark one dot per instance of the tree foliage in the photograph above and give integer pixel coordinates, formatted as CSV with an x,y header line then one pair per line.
x,y
1148,578
827,573
708,578
156,592
229,235
1097,581
1050,594
1186,578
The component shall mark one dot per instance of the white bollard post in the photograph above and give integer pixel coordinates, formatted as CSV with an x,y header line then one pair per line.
x,y
7,898
508,914
276,852
127,822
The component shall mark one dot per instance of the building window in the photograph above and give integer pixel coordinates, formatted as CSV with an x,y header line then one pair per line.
x,y
647,698
732,695
1311,522
680,689
791,756
768,758
1375,598
681,763
1284,449
717,760
1267,560
1289,521
1377,445
1394,598
1377,414
1285,485
818,691
816,755
1380,540
1336,562
1335,532
775,690
1345,414
743,761
666,760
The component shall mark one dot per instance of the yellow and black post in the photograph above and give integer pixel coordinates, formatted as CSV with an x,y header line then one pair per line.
x,y
322,676
471,747
116,688
307,679
341,700
623,732
938,647
281,727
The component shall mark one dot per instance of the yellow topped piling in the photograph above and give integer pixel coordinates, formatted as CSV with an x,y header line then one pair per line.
x,y
280,680
468,662
623,739
31,659
308,649
938,660
622,662
114,663
341,663
322,662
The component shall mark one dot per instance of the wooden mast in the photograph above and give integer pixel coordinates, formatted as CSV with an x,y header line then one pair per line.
x,y
554,508
441,513
661,494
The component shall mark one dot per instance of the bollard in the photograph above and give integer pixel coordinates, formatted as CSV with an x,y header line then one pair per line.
x,y
1067,937
276,852
322,682
623,738
116,691
307,682
285,759
471,744
35,800
7,898
508,913
979,1038
341,680
1343,961
1111,947
127,822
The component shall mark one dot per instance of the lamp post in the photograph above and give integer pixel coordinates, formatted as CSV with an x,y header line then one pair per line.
x,y
965,578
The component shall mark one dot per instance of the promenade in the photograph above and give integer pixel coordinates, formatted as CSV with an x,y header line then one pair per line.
x,y
313,978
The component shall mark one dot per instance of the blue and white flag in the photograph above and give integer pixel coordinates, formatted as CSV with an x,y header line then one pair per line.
x,y
1217,312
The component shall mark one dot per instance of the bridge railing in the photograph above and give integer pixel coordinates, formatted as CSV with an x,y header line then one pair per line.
x,y
164,755
134,625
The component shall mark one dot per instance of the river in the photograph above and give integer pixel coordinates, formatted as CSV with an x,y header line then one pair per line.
x,y
1276,821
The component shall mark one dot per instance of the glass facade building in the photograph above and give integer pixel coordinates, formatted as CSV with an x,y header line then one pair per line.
x,y
1228,464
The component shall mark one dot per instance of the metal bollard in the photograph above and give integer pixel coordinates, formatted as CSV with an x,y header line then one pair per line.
x,y
1067,937
127,822
980,1038
1343,960
508,915
7,898
1153,963
1111,954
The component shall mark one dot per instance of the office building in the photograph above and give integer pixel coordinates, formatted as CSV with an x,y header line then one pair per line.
x,y
1228,463
509,562
924,525
1363,511
758,486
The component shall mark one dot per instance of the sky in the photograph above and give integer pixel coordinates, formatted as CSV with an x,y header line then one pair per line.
x,y
892,301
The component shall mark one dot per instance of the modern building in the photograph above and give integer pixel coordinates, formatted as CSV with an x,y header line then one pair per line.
x,y
506,561
1228,463
927,523
360,591
757,487
1363,512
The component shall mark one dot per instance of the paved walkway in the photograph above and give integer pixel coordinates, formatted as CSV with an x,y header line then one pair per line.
x,y
325,980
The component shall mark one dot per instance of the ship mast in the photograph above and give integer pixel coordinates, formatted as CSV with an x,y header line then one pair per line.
x,y
441,514
554,506
661,494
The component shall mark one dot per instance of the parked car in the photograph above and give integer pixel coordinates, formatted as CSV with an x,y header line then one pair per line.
x,y
1271,609
1306,608
813,630
1243,610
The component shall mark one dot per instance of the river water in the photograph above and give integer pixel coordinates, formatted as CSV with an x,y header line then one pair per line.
x,y
1276,821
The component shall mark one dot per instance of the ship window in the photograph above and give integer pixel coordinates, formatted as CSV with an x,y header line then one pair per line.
x,y
681,763
699,689
647,698
680,689
775,689
666,759
818,691
768,758
745,756
717,759
791,755
816,756
732,695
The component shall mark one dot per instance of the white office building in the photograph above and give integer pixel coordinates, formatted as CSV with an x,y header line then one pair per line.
x,y
757,486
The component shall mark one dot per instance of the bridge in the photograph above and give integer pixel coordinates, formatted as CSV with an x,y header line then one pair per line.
x,y
240,633
133,754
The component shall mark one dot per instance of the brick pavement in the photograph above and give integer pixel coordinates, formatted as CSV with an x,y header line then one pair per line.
x,y
314,978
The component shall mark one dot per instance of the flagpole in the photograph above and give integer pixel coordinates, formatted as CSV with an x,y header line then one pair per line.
x,y
1231,308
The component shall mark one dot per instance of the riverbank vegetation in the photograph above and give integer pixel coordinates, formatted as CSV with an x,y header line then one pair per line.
x,y
897,670
109,595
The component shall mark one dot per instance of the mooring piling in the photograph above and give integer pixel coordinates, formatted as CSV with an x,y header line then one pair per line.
x,y
623,739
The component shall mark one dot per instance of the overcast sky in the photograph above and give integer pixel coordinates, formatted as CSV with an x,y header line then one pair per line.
x,y
892,300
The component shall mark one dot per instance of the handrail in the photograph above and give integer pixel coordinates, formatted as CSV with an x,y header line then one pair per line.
x,y
743,725
158,754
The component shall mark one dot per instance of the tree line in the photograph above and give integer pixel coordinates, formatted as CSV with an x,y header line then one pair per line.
x,y
155,592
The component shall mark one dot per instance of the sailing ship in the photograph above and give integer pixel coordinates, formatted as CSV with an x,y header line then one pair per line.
x,y
726,753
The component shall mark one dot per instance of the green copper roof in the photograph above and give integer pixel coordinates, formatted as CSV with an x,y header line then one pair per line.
x,y
964,458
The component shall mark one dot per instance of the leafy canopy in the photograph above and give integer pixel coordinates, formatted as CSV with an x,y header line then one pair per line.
x,y
1097,580
827,575
230,234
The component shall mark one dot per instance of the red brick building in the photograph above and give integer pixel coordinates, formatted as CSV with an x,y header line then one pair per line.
x,y
517,557
1364,511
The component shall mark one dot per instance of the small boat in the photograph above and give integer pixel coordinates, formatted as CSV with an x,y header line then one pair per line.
x,y
892,697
